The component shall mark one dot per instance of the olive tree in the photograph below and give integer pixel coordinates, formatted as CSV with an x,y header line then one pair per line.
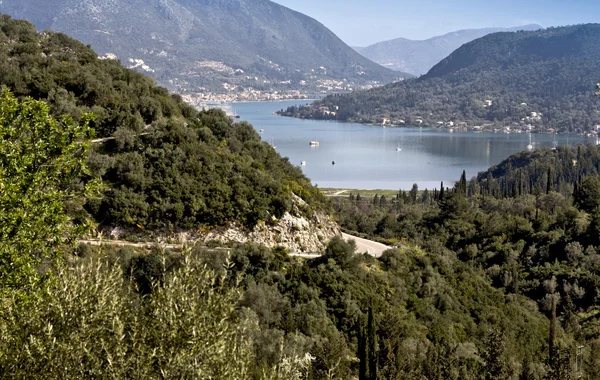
x,y
40,159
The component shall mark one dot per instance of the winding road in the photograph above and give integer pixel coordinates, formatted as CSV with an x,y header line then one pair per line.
x,y
373,248
362,245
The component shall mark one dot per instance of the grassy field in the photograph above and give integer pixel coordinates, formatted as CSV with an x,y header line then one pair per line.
x,y
331,192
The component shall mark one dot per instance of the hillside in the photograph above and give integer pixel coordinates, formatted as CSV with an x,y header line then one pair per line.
x,y
419,56
165,166
525,80
212,44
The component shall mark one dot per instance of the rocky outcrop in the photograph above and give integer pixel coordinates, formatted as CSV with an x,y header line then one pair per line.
x,y
297,231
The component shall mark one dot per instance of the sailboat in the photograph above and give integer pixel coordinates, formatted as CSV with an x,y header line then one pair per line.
x,y
530,146
398,149
273,144
554,143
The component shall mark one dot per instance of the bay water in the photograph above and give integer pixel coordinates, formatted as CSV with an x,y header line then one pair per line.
x,y
372,157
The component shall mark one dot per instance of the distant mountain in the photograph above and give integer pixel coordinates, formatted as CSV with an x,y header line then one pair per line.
x,y
544,78
192,43
417,57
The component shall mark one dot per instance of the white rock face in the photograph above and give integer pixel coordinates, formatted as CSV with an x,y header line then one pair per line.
x,y
295,231
297,234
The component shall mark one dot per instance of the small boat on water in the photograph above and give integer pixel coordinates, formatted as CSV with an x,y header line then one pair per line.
x,y
314,143
262,130
530,146
398,149
332,162
303,163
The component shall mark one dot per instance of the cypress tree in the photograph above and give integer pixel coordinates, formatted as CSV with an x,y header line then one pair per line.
x,y
442,191
552,334
376,199
372,345
520,182
549,181
362,351
462,184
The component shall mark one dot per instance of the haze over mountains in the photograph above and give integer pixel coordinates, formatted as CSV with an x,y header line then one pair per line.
x,y
187,44
418,56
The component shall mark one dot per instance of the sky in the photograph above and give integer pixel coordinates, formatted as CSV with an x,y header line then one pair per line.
x,y
364,22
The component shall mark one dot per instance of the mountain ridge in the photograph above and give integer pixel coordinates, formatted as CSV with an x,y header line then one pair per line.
x,y
418,56
541,80
187,44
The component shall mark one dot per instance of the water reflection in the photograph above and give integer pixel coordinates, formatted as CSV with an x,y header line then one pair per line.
x,y
385,158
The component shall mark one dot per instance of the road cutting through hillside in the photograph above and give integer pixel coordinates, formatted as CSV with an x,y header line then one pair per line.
x,y
362,245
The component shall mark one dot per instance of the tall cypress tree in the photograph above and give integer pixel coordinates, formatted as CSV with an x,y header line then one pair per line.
x,y
362,351
462,184
372,345
442,191
552,334
549,181
520,182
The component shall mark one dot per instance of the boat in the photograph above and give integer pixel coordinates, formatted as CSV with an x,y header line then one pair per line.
x,y
303,163
262,130
530,146
332,162
273,144
314,143
398,149
555,143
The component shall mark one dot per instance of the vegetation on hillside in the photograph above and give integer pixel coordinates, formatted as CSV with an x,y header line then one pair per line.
x,y
41,161
164,164
531,224
524,75
496,278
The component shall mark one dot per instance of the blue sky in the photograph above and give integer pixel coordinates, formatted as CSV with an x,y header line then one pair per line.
x,y
363,22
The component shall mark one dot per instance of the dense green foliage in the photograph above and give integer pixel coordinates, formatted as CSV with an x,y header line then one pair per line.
x,y
459,298
531,224
409,314
551,72
41,158
167,166
89,322
149,316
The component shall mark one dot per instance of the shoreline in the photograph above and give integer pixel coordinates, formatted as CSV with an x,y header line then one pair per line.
x,y
272,101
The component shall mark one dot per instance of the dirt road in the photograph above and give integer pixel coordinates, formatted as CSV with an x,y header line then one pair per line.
x,y
363,245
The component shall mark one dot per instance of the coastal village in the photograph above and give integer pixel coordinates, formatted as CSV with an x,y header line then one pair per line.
x,y
533,122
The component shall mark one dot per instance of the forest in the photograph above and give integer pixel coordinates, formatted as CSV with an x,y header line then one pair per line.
x,y
497,80
164,164
495,277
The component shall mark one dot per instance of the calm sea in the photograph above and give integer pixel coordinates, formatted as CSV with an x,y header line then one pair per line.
x,y
367,157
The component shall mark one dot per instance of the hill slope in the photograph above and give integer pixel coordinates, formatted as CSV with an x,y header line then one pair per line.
x,y
166,166
418,57
188,44
543,78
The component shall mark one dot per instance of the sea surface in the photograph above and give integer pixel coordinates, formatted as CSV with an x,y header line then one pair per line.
x,y
367,157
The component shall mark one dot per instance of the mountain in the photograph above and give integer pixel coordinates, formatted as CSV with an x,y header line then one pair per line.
x,y
544,79
417,57
188,44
